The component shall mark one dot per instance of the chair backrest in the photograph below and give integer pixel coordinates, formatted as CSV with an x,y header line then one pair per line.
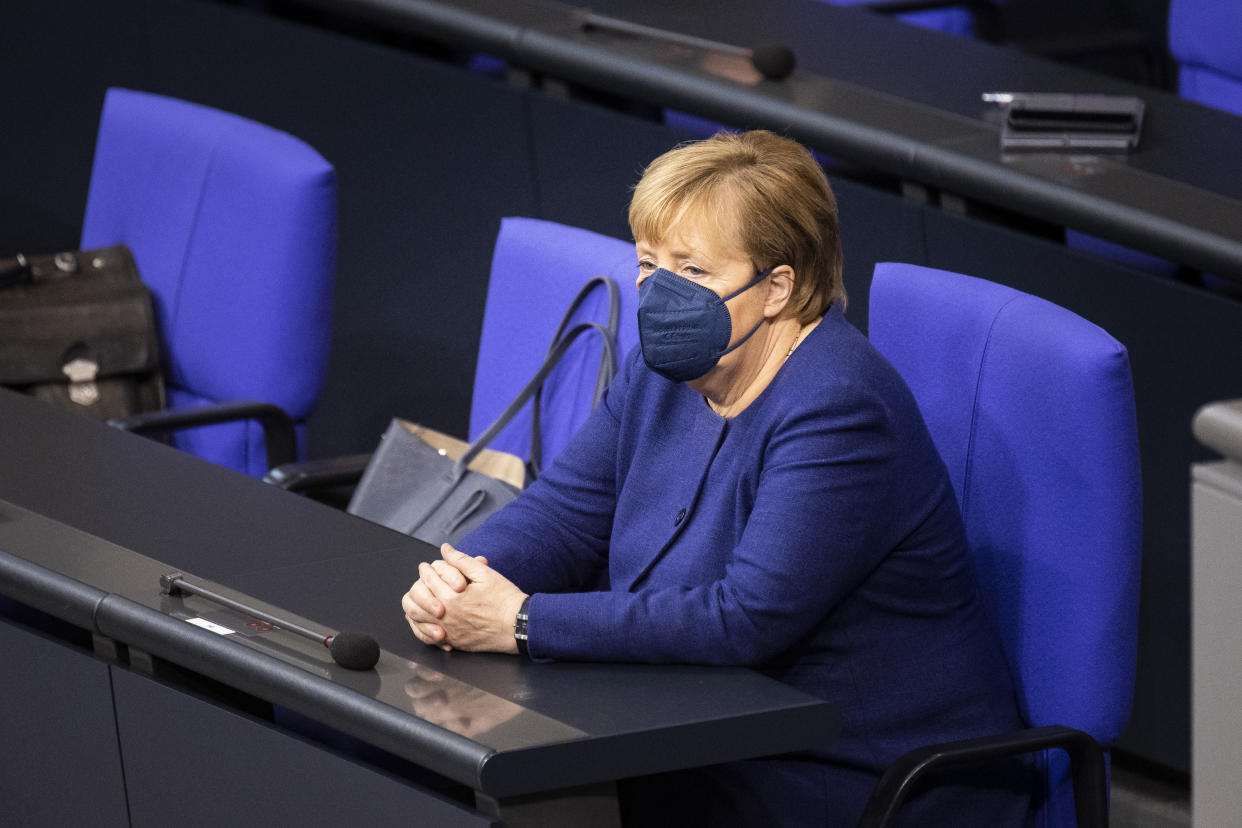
x,y
233,226
1203,39
950,18
1032,409
537,269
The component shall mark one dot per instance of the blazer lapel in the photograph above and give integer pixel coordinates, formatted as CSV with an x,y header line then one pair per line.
x,y
672,469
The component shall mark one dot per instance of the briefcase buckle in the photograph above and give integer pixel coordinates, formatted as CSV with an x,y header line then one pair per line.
x,y
82,373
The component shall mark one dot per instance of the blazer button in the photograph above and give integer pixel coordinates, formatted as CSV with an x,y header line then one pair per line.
x,y
681,515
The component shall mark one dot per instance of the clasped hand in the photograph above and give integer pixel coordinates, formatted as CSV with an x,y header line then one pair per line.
x,y
462,603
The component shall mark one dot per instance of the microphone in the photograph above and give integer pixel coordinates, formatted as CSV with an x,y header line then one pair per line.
x,y
351,650
775,61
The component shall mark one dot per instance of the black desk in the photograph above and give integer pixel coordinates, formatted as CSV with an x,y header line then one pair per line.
x,y
91,517
911,110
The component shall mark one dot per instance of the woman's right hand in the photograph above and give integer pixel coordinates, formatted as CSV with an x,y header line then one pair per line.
x,y
422,608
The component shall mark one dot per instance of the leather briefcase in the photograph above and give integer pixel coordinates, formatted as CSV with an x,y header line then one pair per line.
x,y
78,330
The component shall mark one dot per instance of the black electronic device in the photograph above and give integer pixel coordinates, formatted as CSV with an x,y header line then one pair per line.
x,y
1053,121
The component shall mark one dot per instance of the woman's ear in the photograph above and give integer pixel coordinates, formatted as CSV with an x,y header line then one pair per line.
x,y
780,290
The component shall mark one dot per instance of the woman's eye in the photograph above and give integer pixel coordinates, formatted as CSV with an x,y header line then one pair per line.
x,y
645,266
691,270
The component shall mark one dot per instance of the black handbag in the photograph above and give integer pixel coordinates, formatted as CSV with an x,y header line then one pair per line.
x,y
423,489
77,329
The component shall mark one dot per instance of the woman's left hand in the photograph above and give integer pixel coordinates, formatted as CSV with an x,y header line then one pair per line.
x,y
476,615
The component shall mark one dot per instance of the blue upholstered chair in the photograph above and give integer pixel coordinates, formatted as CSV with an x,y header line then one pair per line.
x,y
537,268
233,227
1203,40
1032,410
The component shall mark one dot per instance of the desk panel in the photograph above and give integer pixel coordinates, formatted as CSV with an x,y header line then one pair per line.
x,y
56,717
212,767
1217,568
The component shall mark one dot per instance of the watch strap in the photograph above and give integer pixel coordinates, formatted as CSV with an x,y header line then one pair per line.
x,y
519,627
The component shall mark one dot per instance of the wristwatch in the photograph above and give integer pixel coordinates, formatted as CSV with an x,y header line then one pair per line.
x,y
519,626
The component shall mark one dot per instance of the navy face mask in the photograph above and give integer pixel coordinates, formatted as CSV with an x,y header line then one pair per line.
x,y
684,328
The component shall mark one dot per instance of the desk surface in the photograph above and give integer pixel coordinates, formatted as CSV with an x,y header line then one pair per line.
x,y
91,517
885,95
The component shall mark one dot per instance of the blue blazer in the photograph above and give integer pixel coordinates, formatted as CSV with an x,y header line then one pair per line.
x,y
814,537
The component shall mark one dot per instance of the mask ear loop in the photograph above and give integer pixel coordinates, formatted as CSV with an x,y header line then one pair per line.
x,y
765,274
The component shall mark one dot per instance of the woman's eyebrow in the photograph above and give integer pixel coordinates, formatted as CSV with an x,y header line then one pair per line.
x,y
689,253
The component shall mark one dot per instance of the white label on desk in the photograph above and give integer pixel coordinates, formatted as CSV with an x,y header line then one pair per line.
x,y
208,625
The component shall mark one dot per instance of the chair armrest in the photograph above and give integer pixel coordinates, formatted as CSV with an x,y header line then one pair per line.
x,y
318,474
1086,762
278,432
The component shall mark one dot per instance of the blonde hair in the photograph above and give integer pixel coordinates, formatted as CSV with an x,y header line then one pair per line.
x,y
756,192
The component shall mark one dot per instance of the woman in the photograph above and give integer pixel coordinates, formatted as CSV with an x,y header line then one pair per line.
x,y
760,487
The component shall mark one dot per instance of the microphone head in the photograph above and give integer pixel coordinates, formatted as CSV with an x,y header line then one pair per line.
x,y
354,651
775,61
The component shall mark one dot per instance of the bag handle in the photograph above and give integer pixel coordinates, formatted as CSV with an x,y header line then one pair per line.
x,y
607,364
531,388
560,346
